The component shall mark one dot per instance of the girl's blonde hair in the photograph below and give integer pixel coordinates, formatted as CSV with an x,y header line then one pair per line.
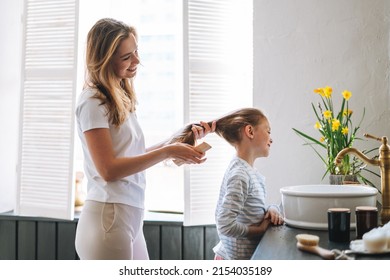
x,y
103,41
228,126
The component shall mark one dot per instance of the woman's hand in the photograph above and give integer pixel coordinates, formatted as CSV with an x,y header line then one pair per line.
x,y
185,153
203,129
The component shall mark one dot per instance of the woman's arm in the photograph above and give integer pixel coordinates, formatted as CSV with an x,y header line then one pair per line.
x,y
198,132
112,168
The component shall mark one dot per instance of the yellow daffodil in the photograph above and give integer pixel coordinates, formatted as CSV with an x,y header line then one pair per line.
x,y
322,139
328,91
319,91
344,130
317,125
335,124
347,94
327,114
347,112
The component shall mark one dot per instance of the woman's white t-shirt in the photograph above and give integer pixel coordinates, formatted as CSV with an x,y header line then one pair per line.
x,y
127,140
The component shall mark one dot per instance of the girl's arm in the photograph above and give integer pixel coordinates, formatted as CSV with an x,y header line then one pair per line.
x,y
271,217
260,229
231,206
113,168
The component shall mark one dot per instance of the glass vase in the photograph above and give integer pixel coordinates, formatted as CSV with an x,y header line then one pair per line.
x,y
338,179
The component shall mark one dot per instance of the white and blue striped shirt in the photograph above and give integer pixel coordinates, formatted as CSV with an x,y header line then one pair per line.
x,y
241,203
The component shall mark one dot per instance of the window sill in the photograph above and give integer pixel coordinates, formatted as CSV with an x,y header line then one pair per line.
x,y
150,217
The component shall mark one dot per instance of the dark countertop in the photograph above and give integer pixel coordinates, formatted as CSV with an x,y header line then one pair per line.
x,y
279,243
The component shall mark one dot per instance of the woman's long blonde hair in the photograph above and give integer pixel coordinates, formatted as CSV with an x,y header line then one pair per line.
x,y
228,126
103,40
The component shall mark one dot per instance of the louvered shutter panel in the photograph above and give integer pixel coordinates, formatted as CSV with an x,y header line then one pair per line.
x,y
217,80
45,170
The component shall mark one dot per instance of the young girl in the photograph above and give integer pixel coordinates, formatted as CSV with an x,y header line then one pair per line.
x,y
242,215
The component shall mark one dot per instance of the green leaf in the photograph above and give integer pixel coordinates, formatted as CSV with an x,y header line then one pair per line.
x,y
315,141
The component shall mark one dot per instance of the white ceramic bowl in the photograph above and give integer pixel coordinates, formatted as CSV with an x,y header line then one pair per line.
x,y
306,206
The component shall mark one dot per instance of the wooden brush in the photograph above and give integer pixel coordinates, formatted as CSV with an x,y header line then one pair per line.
x,y
203,147
309,243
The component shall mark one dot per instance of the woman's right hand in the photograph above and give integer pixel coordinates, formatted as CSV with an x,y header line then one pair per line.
x,y
185,153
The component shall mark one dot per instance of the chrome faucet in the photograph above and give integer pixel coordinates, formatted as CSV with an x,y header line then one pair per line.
x,y
384,164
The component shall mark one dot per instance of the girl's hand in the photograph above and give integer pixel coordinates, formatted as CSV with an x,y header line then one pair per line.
x,y
275,217
202,130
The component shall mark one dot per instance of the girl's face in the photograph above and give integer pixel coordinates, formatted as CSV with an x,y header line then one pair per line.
x,y
125,60
262,138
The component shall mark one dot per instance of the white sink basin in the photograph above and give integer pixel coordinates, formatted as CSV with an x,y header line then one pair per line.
x,y
306,206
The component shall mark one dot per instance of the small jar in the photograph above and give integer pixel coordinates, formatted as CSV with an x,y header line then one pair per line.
x,y
366,219
339,224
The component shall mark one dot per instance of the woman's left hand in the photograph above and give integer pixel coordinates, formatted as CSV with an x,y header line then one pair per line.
x,y
203,129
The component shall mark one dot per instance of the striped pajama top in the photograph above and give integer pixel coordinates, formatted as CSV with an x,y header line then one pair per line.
x,y
241,203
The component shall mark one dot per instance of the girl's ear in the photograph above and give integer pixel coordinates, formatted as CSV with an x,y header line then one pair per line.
x,y
249,131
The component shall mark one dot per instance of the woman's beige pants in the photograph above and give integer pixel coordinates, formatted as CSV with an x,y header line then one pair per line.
x,y
110,231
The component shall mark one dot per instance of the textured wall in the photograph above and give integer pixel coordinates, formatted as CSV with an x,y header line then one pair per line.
x,y
304,44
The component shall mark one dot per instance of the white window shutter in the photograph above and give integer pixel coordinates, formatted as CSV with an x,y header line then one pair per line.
x,y
217,80
45,170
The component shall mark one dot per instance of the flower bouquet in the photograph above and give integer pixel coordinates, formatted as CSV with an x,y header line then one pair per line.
x,y
336,133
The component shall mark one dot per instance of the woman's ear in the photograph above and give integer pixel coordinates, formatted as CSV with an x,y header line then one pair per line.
x,y
249,131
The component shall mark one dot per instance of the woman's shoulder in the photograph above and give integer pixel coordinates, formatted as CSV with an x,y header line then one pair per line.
x,y
87,101
88,98
87,94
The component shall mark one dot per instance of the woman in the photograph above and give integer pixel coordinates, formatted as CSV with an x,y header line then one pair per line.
x,y
115,157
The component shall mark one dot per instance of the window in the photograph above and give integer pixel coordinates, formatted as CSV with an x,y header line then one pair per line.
x,y
196,60
46,124
218,60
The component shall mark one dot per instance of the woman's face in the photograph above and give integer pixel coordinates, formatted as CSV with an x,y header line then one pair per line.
x,y
125,59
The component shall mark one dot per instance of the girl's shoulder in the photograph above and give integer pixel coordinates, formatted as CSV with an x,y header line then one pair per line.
x,y
239,169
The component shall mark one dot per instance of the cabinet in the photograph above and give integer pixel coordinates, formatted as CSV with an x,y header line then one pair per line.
x,y
32,238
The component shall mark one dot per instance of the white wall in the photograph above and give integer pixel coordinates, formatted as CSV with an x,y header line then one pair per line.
x,y
10,53
304,44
